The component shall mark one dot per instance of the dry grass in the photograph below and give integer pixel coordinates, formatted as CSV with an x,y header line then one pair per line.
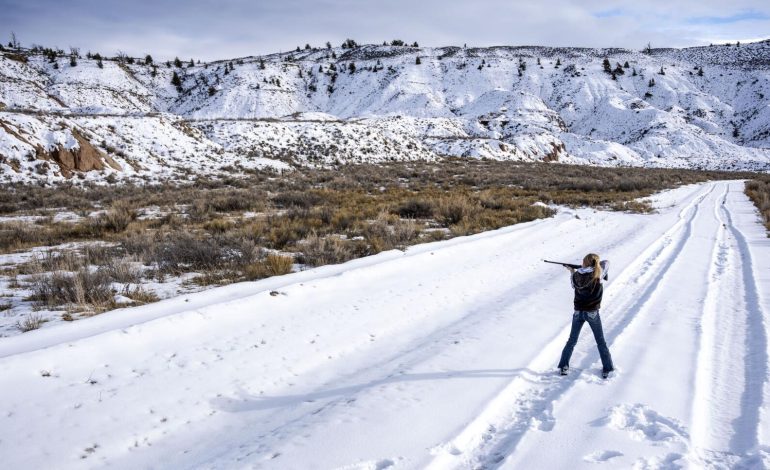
x,y
84,288
758,190
271,265
31,321
141,296
318,250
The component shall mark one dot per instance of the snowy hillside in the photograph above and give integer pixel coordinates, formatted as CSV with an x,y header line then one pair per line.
x,y
705,107
441,357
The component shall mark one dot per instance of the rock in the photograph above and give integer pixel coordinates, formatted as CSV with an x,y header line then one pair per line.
x,y
85,157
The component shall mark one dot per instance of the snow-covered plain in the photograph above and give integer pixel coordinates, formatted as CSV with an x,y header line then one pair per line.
x,y
700,107
442,356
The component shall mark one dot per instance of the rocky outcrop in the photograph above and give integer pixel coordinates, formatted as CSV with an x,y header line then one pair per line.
x,y
84,157
556,150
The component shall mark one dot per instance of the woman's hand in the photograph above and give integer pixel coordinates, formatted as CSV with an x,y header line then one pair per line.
x,y
570,268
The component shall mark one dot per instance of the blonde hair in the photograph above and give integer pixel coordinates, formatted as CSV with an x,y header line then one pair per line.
x,y
591,260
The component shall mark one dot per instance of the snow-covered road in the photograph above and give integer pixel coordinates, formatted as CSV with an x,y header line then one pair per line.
x,y
440,357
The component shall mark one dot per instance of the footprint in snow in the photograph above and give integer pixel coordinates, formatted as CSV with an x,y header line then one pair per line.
x,y
381,464
668,462
602,456
644,424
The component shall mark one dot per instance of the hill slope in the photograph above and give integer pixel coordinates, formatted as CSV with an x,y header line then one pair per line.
x,y
706,107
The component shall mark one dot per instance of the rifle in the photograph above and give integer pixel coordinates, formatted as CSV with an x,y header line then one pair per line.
x,y
567,265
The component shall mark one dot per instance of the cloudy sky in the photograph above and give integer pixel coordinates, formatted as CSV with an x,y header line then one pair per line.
x,y
211,29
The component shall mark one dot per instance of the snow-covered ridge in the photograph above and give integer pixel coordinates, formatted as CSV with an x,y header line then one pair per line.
x,y
709,108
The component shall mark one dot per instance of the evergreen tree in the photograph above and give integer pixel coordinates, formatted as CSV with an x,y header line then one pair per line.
x,y
56,65
414,44
538,61
700,71
651,83
328,45
168,64
73,61
192,63
558,63
176,81
606,65
352,67
99,63
307,47
148,59
634,72
154,71
626,65
417,61
212,90
177,62
320,69
396,42
661,72
619,70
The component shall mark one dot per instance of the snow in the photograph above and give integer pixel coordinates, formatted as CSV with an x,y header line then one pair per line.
x,y
442,356
298,107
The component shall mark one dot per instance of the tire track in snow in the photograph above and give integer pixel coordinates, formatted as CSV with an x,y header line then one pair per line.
x,y
487,440
757,373
733,335
391,368
344,390
718,376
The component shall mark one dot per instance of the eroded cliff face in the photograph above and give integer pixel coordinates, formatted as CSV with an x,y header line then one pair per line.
x,y
84,157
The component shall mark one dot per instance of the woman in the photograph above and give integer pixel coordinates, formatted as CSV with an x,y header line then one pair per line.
x,y
587,282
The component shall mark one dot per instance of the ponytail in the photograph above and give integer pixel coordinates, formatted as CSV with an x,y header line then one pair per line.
x,y
591,260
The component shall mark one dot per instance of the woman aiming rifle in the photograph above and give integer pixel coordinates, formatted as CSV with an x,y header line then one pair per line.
x,y
587,282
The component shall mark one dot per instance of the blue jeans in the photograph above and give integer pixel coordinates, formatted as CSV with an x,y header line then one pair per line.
x,y
595,322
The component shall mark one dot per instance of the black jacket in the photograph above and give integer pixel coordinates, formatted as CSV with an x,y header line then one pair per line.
x,y
588,292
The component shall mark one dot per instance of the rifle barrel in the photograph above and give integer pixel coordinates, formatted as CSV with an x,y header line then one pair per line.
x,y
575,266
